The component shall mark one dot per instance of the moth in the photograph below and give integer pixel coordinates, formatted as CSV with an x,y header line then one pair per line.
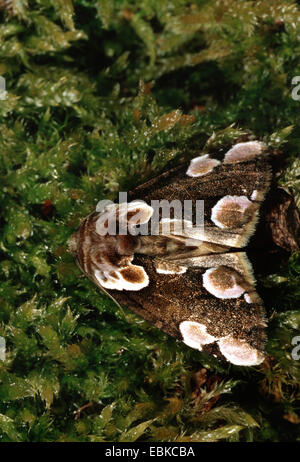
x,y
193,282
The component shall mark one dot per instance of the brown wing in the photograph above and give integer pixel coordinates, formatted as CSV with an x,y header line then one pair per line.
x,y
231,190
188,305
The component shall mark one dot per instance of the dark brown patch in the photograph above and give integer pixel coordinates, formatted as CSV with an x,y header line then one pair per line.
x,y
127,244
224,278
113,274
132,213
283,219
133,274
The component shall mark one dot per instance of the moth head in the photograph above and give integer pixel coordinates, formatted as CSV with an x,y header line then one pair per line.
x,y
104,253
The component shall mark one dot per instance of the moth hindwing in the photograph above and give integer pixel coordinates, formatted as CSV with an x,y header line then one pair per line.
x,y
193,281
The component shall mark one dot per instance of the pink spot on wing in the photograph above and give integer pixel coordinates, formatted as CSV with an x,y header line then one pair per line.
x,y
242,152
202,165
239,352
195,334
230,288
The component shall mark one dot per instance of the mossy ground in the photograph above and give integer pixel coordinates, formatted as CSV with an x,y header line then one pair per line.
x,y
101,95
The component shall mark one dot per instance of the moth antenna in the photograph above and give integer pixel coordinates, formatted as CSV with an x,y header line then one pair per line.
x,y
106,293
114,300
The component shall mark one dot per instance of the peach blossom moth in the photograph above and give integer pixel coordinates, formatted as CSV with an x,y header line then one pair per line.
x,y
197,285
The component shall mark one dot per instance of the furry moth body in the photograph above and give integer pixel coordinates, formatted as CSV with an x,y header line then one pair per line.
x,y
197,286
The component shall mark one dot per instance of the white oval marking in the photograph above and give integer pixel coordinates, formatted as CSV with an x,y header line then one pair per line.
x,y
238,203
232,292
119,282
202,165
239,352
242,152
195,335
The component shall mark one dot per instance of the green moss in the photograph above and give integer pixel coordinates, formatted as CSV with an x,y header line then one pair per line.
x,y
101,95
